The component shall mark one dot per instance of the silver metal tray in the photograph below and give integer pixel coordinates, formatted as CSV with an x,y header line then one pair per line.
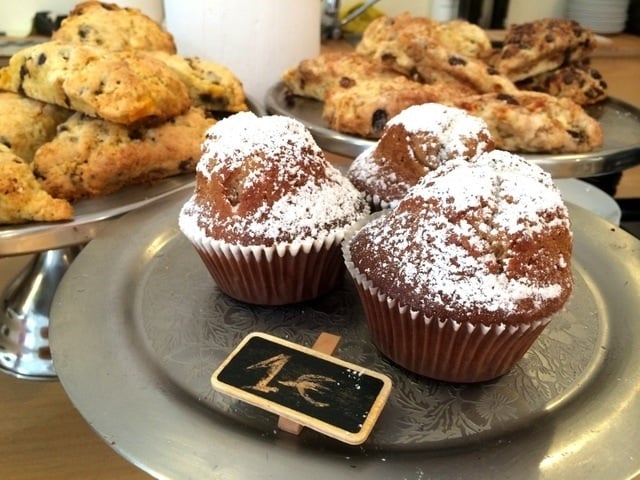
x,y
88,219
138,326
620,123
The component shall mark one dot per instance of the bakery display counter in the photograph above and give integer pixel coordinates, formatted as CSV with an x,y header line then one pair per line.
x,y
45,436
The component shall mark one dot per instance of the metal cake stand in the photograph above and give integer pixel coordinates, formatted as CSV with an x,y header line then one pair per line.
x,y
24,318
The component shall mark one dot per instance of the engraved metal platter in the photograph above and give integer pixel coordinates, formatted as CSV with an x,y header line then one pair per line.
x,y
138,326
620,123
89,217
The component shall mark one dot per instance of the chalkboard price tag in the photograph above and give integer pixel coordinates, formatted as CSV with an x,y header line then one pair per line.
x,y
339,399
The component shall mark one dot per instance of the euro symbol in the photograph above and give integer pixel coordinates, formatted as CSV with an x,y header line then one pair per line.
x,y
312,383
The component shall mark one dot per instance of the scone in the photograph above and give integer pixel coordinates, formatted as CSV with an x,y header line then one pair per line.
x,y
25,124
535,122
461,278
417,140
577,81
269,211
314,76
115,28
126,87
92,157
22,199
212,87
541,46
365,108
386,39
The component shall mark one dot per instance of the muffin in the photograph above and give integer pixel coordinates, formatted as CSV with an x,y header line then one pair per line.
x,y
269,212
462,276
416,141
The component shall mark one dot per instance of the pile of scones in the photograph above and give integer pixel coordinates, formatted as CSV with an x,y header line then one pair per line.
x,y
105,103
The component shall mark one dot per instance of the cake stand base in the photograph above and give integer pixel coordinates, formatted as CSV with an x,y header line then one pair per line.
x,y
24,319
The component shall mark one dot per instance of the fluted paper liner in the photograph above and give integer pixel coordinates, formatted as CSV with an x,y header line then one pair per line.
x,y
439,348
273,275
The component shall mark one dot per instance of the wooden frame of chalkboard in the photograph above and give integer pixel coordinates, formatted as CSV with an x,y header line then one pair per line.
x,y
337,398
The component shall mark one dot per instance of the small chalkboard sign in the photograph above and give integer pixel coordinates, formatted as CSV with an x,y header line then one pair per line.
x,y
337,398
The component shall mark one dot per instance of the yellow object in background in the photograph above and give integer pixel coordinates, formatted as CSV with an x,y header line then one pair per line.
x,y
358,24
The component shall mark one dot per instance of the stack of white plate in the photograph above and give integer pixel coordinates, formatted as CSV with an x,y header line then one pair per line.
x,y
601,16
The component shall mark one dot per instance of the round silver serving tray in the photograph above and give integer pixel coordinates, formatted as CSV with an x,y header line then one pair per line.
x,y
135,355
620,123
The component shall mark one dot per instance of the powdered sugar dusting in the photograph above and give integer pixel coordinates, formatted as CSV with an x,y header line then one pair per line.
x,y
448,240
274,182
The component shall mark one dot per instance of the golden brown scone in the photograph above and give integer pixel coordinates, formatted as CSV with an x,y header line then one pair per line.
x,y
440,64
22,199
366,107
91,157
535,122
386,39
116,28
314,76
577,81
543,45
126,87
25,124
211,86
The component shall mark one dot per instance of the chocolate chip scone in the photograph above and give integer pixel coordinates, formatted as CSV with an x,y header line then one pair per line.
x,y
211,86
22,199
386,39
314,76
535,122
543,45
91,157
113,27
577,81
126,87
25,124
365,108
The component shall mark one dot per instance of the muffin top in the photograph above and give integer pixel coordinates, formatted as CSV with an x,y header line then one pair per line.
x,y
264,180
486,241
415,141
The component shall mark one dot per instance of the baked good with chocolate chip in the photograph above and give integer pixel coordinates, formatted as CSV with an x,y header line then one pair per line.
x,y
577,81
535,122
212,87
386,38
126,87
314,76
463,275
91,157
25,124
543,45
113,27
417,140
366,107
22,199
269,211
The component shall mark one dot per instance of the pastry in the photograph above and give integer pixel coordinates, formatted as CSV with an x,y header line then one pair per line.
x,y
115,28
269,212
90,157
365,108
465,273
313,77
22,199
535,122
417,140
25,124
212,87
126,87
543,45
577,81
